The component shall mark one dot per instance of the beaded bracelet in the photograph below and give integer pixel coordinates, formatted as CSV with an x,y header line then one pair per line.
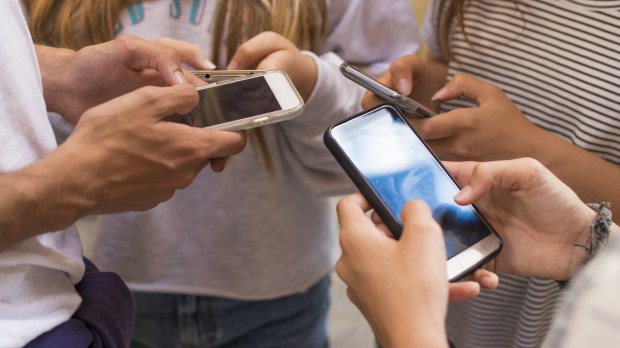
x,y
599,233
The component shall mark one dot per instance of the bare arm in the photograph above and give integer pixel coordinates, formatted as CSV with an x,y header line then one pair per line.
x,y
480,134
121,155
591,177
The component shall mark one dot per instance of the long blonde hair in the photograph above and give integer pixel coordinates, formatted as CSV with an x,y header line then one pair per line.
x,y
78,23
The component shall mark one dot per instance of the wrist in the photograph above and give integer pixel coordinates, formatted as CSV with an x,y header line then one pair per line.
x,y
43,197
576,249
53,63
417,335
418,325
594,238
306,85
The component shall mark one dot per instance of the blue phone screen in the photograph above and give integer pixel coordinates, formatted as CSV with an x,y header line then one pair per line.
x,y
394,161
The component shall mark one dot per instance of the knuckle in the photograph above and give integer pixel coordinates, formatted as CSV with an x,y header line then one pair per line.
x,y
148,94
464,151
534,164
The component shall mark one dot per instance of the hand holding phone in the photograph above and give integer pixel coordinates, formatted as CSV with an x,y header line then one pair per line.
x,y
243,100
402,102
391,165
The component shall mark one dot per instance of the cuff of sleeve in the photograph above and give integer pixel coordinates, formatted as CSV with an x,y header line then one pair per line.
x,y
330,92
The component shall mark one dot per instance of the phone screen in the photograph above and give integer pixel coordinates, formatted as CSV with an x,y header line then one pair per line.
x,y
397,165
230,102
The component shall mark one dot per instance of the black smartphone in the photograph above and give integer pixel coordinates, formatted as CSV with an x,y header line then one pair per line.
x,y
391,165
404,103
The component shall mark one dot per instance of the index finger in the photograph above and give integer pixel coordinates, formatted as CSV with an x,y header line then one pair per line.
x,y
257,48
140,54
401,71
190,53
461,171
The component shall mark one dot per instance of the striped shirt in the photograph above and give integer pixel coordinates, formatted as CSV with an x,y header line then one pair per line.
x,y
559,62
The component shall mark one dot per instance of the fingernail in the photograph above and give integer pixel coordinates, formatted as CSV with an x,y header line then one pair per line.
x,y
208,64
440,93
179,77
487,282
462,195
403,87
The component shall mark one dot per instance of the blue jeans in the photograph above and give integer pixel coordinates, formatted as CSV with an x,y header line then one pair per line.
x,y
184,321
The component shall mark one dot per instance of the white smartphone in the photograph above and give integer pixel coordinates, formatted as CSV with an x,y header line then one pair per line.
x,y
245,102
222,75
391,165
402,102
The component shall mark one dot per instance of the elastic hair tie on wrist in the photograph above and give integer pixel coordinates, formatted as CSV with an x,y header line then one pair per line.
x,y
599,233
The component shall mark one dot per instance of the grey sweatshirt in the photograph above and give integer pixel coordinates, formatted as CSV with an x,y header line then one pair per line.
x,y
246,233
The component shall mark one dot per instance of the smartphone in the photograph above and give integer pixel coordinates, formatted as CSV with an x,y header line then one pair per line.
x,y
245,102
402,102
391,165
222,75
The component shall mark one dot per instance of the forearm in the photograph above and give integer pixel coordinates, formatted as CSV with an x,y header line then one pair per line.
x,y
44,197
419,336
53,63
591,177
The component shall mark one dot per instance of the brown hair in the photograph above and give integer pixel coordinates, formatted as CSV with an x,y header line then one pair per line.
x,y
447,11
78,23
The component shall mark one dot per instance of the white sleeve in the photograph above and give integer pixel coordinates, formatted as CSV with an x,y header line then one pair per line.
x,y
370,34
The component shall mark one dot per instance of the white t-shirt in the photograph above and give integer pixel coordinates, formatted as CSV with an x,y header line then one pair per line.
x,y
37,276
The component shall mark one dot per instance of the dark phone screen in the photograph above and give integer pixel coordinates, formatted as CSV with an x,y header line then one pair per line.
x,y
399,168
230,102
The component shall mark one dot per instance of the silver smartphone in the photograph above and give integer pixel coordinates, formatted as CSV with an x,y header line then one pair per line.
x,y
402,102
391,165
244,102
222,75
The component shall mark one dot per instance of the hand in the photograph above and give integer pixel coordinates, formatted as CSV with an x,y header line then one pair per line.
x,y
400,286
129,159
412,76
538,217
76,81
269,50
190,54
494,130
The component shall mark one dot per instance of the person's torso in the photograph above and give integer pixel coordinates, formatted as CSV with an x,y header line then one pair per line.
x,y
557,60
38,274
247,233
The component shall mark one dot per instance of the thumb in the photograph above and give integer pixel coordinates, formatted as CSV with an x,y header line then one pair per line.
x,y
422,232
509,176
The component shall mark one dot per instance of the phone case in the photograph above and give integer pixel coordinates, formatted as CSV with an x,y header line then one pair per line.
x,y
223,75
390,96
263,119
373,197
367,191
